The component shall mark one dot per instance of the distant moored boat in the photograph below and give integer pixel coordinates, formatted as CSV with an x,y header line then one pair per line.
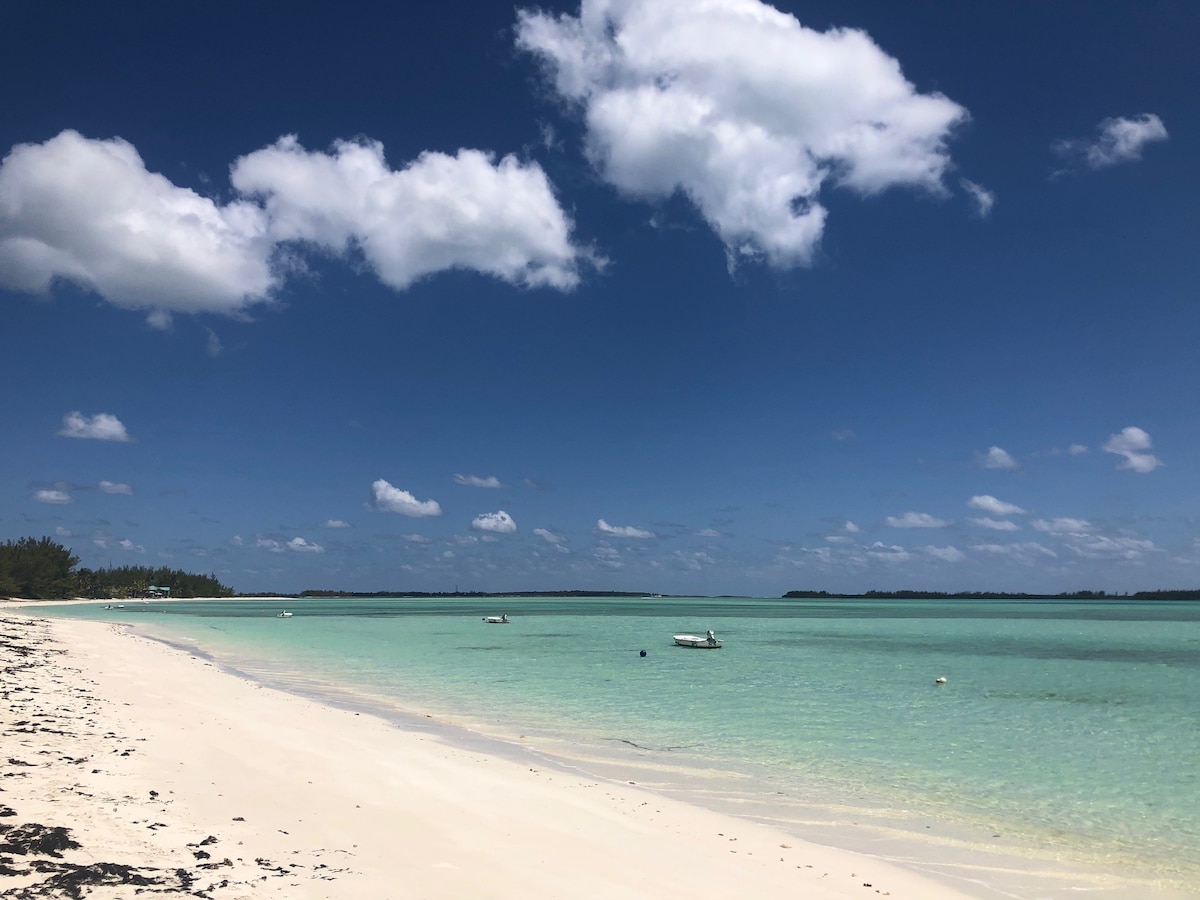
x,y
708,642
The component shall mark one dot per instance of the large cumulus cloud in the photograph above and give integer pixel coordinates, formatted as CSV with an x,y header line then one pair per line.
x,y
742,109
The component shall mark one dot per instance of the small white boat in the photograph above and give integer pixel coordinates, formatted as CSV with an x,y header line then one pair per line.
x,y
284,615
496,620
708,642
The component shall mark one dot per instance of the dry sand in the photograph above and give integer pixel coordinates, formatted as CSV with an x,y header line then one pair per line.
x,y
130,767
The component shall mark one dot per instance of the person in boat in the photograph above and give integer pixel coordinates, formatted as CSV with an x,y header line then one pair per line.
x,y
504,618
712,638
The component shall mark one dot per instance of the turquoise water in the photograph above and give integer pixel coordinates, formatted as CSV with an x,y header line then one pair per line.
x,y
1072,728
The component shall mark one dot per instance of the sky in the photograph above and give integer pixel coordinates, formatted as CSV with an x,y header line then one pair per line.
x,y
669,296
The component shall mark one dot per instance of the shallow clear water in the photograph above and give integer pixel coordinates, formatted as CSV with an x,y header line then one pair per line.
x,y
1071,725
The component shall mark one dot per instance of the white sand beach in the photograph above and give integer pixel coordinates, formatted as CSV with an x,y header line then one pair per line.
x,y
171,774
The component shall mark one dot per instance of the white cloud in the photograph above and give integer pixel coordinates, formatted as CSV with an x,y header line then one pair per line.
x,y
269,544
1133,444
127,544
555,540
89,212
1094,546
475,481
743,110
113,487
996,458
55,496
851,527
415,539
887,552
989,504
628,531
1077,450
498,522
608,557
839,539
1119,140
984,199
708,533
1024,552
336,523
100,427
996,524
391,499
62,532
300,545
436,213
916,520
843,434
946,554
1062,526
213,346
695,562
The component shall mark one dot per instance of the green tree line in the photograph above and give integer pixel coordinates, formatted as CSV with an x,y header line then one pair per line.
x,y
42,569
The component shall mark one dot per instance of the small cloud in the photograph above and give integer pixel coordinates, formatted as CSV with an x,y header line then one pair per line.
x,y
100,427
160,320
989,504
996,524
1120,140
130,545
113,487
300,545
984,199
946,554
916,520
391,499
549,536
336,523
1077,450
213,348
1023,552
851,528
269,544
475,481
53,497
1133,444
415,539
628,531
887,552
843,434
708,533
62,532
498,522
1062,525
997,458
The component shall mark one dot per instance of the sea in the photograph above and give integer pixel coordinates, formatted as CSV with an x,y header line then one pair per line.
x,y
1012,748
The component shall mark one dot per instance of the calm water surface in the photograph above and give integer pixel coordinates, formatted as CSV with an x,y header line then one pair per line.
x,y
1071,727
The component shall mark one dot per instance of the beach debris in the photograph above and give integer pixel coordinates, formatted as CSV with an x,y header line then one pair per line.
x,y
36,839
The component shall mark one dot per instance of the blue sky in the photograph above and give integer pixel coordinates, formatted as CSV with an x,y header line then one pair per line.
x,y
723,299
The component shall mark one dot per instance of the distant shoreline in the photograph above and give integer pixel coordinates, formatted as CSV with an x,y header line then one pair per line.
x,y
1162,595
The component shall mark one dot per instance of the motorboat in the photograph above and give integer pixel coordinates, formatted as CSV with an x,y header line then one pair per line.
x,y
496,620
284,615
708,642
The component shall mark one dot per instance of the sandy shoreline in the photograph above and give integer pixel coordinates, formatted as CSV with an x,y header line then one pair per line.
x,y
164,768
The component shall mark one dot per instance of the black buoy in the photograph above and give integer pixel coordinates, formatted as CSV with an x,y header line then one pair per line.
x,y
643,653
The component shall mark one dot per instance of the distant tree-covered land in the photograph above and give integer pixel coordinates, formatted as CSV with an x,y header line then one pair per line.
x,y
42,569
440,594
994,595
